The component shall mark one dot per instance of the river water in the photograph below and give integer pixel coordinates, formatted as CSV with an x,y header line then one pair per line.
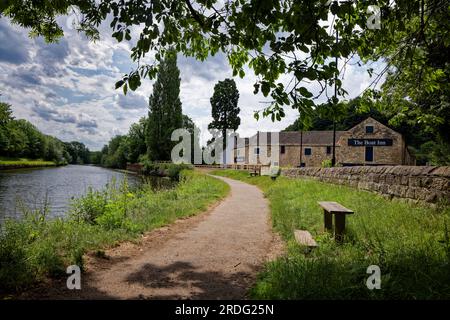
x,y
30,187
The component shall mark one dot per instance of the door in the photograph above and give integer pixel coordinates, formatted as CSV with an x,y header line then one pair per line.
x,y
369,154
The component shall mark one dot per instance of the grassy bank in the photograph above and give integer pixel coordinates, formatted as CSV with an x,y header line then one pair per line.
x,y
17,163
35,248
410,243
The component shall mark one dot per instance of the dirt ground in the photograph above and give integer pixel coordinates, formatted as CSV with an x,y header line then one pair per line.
x,y
214,255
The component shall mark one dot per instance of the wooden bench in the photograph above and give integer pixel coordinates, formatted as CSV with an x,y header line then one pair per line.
x,y
305,238
339,212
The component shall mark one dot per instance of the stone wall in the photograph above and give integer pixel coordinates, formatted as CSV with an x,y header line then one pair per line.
x,y
430,184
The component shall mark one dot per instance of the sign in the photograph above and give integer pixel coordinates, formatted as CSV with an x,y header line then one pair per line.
x,y
370,142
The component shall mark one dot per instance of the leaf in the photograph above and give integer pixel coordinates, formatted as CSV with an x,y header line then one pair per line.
x,y
265,88
119,84
304,92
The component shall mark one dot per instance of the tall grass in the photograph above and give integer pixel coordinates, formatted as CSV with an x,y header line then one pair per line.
x,y
35,248
15,163
409,242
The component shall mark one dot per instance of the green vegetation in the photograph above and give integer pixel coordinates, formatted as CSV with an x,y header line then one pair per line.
x,y
225,110
410,243
20,139
15,163
165,113
164,169
35,247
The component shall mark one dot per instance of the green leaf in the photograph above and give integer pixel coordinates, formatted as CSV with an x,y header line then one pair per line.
x,y
304,92
119,84
265,88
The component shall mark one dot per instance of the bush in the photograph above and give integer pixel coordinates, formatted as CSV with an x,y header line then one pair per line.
x,y
164,169
326,163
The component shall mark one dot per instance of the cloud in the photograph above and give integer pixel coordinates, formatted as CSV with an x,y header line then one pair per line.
x,y
132,101
12,45
88,126
50,114
24,77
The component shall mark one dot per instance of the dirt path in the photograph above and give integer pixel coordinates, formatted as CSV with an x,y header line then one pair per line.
x,y
215,255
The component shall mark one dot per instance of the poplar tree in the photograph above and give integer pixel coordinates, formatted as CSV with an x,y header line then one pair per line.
x,y
165,113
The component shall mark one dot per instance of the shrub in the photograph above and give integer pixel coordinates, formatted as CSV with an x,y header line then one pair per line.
x,y
164,169
326,163
90,206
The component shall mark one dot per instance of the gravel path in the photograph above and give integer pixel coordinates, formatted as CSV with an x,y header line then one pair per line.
x,y
214,255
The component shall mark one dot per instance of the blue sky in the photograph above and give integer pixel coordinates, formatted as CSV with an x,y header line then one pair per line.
x,y
67,89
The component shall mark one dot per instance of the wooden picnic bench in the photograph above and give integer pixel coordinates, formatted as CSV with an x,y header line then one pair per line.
x,y
339,211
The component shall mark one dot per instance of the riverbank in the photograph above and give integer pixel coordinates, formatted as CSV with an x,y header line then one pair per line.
x,y
35,249
410,243
20,163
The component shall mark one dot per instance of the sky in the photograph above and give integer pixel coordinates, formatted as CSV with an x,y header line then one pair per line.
x,y
66,89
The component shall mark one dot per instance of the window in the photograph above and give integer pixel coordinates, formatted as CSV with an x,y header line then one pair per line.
x,y
282,149
328,149
237,152
256,150
369,154
307,151
369,129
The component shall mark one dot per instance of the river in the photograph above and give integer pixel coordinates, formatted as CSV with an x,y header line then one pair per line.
x,y
59,185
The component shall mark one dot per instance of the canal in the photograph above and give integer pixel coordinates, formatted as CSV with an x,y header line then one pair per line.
x,y
31,187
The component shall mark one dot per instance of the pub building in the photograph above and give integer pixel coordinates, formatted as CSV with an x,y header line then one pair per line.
x,y
368,143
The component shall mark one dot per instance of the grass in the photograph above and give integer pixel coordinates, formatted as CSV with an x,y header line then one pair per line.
x,y
15,163
409,242
35,248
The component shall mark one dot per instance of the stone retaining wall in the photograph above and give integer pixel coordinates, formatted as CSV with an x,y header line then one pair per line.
x,y
430,184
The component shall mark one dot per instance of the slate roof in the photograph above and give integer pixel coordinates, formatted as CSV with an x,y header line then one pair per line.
x,y
309,137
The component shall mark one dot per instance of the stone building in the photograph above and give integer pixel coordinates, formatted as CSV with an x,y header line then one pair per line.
x,y
367,143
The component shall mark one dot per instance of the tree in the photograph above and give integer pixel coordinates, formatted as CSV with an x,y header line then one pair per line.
x,y
165,114
224,109
115,153
417,86
136,140
78,153
5,118
5,113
